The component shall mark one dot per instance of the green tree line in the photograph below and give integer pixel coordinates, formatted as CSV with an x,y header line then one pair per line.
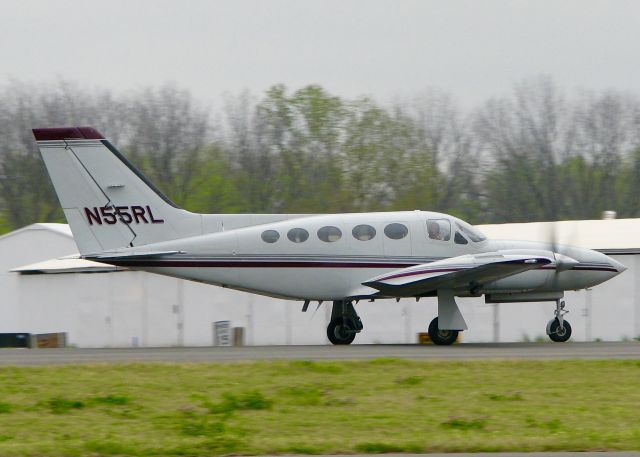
x,y
532,154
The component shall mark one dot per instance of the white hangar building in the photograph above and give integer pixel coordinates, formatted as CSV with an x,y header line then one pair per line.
x,y
102,306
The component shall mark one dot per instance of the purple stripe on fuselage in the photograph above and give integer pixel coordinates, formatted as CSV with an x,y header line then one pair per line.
x,y
415,273
249,264
584,268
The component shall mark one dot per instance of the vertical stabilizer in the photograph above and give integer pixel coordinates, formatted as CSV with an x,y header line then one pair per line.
x,y
108,203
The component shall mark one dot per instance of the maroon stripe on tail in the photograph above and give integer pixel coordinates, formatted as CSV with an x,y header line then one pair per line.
x,y
67,133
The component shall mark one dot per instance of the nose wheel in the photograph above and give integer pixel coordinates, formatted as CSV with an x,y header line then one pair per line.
x,y
559,329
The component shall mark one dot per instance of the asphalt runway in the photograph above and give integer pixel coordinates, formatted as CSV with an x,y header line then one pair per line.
x,y
507,454
465,351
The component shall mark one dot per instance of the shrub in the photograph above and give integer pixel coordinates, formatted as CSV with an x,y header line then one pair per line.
x,y
463,424
252,400
112,400
59,405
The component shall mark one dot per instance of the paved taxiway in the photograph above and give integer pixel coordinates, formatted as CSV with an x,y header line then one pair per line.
x,y
466,351
506,454
498,454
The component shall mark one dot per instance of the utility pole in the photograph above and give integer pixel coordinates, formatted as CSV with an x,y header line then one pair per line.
x,y
588,312
180,312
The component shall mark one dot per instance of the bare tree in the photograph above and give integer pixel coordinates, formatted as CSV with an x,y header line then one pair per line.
x,y
524,138
445,134
249,136
26,192
167,133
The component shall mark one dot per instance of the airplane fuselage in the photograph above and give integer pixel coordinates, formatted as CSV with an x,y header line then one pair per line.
x,y
328,257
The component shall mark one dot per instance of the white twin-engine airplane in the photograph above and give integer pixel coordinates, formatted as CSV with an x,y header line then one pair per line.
x,y
120,218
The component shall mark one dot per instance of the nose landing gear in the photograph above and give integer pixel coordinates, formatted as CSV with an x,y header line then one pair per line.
x,y
559,329
345,323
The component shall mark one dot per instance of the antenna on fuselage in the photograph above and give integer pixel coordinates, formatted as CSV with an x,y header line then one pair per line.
x,y
320,302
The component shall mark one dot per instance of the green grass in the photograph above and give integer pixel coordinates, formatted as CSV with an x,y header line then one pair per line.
x,y
379,406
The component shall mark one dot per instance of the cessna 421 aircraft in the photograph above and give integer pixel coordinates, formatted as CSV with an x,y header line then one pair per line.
x,y
120,218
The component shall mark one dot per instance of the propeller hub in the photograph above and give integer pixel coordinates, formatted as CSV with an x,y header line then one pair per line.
x,y
564,262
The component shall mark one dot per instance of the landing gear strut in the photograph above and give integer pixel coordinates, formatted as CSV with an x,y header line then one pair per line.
x,y
345,323
444,329
559,329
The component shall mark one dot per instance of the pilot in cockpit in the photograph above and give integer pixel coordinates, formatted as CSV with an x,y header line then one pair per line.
x,y
434,230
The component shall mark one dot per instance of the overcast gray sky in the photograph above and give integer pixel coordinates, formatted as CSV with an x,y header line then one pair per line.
x,y
472,48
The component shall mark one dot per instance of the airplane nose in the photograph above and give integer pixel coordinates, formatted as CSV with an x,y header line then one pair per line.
x,y
597,266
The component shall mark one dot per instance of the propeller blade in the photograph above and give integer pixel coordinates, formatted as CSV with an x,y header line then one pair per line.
x,y
558,259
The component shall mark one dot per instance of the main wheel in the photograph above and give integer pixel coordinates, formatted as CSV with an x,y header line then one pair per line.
x,y
441,337
557,334
339,332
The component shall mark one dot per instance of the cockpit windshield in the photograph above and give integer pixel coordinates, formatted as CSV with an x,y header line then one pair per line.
x,y
470,232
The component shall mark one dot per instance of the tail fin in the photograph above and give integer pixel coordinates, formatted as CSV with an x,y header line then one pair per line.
x,y
108,203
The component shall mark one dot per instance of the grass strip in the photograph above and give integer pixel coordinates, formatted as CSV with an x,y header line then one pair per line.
x,y
376,406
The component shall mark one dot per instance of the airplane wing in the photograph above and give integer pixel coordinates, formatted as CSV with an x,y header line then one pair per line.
x,y
467,272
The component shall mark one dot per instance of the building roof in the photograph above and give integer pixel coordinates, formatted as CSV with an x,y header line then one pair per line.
x,y
60,229
68,264
611,236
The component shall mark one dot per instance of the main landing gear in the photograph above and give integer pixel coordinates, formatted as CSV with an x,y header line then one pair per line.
x,y
559,329
441,337
444,329
345,323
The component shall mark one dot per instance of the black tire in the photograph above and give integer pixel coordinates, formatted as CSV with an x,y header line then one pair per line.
x,y
339,333
441,337
557,334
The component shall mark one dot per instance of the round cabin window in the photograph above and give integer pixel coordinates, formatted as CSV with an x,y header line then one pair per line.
x,y
329,234
396,231
270,236
363,232
298,235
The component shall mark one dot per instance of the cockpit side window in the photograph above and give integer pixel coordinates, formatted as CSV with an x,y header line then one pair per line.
x,y
439,229
459,239
471,233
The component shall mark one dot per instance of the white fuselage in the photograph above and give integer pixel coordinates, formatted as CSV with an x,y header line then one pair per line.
x,y
335,269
